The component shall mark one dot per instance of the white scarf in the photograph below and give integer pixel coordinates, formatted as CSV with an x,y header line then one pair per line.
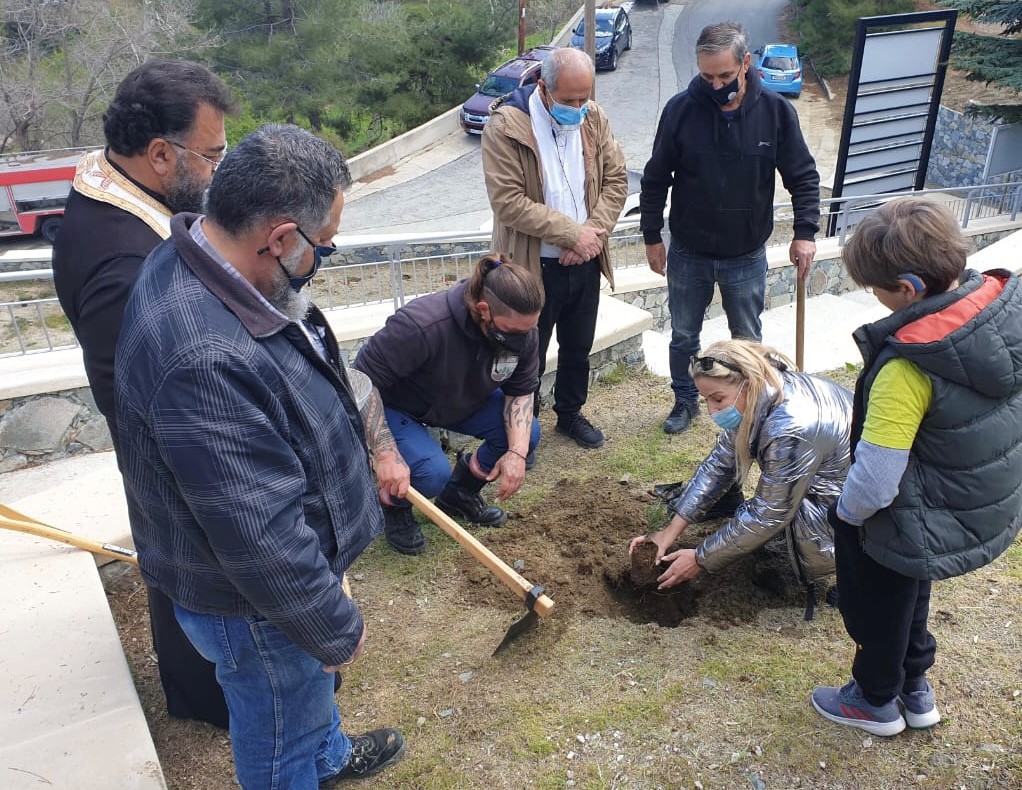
x,y
563,167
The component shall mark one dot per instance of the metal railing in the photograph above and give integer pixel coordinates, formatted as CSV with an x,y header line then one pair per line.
x,y
388,270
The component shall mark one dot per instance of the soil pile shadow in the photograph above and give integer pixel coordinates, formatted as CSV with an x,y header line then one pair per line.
x,y
575,543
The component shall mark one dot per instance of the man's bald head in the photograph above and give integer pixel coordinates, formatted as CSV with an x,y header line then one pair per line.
x,y
566,61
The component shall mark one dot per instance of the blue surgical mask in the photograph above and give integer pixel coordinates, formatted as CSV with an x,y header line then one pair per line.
x,y
730,417
568,117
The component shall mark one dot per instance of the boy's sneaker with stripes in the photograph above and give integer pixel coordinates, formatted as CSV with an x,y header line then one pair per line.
x,y
920,707
847,705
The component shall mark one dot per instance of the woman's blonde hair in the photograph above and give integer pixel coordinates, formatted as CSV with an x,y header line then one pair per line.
x,y
759,367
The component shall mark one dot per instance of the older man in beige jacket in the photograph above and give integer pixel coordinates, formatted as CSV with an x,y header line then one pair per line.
x,y
557,182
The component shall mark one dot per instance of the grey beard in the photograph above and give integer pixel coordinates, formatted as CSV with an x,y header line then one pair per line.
x,y
293,304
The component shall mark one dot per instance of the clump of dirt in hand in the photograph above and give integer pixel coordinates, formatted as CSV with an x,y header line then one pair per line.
x,y
645,569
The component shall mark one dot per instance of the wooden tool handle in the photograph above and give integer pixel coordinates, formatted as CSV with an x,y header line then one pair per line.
x,y
800,320
52,533
508,575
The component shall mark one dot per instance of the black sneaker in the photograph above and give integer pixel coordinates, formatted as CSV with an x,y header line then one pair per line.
x,y
581,430
726,506
402,530
370,753
668,491
681,416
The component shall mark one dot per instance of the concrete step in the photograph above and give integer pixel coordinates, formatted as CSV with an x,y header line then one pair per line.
x,y
69,712
83,495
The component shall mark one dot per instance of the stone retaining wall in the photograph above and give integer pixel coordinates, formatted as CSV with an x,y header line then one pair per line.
x,y
47,427
827,276
50,426
959,153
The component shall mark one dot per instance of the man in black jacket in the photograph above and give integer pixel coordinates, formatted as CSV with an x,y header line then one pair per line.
x,y
165,136
717,146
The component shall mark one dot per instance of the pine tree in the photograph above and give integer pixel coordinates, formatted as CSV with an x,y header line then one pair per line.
x,y
995,60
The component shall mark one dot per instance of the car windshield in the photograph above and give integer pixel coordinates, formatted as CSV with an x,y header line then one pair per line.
x,y
779,64
497,86
604,24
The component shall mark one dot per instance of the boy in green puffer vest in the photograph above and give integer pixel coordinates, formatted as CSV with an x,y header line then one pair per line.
x,y
934,486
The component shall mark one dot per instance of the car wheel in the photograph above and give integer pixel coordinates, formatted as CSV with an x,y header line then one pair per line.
x,y
796,95
49,227
628,44
612,63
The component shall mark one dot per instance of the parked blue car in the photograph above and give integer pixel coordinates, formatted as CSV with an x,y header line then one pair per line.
x,y
780,68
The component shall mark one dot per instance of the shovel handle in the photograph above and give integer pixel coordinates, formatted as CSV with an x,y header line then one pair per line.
x,y
507,575
37,528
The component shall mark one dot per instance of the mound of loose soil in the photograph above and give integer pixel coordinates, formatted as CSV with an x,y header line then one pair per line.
x,y
575,543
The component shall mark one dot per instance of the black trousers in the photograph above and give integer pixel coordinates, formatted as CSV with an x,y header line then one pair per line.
x,y
885,613
189,680
572,298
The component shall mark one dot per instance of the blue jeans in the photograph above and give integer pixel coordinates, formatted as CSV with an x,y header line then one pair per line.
x,y
690,281
284,723
429,467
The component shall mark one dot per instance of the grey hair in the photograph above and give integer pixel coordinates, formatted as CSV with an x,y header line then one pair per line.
x,y
722,37
277,171
561,58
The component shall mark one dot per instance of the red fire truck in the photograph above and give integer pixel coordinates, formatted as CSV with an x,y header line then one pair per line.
x,y
33,189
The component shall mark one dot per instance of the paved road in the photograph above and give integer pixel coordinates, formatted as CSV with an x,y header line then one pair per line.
x,y
443,188
452,196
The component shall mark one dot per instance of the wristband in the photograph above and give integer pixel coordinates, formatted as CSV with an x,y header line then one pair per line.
x,y
515,452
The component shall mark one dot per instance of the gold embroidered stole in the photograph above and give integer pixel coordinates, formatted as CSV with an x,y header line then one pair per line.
x,y
96,178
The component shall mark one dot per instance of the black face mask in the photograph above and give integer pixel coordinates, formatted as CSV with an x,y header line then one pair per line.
x,y
513,342
725,94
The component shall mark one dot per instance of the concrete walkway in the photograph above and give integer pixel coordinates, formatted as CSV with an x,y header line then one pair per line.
x,y
69,713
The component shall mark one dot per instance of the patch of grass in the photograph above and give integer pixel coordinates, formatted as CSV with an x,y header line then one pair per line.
x,y
57,321
615,375
1013,557
653,455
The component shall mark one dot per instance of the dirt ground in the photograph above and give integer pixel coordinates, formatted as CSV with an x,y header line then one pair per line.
x,y
704,687
575,541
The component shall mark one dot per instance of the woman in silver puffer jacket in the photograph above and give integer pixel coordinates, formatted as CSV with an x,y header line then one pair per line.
x,y
796,427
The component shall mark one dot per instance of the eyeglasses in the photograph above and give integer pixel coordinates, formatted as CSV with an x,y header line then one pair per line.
x,y
324,251
215,162
705,364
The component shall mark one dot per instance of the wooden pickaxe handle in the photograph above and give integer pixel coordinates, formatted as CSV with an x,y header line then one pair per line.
x,y
507,575
12,519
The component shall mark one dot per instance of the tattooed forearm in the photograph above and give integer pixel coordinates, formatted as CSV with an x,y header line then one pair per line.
x,y
378,434
518,420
